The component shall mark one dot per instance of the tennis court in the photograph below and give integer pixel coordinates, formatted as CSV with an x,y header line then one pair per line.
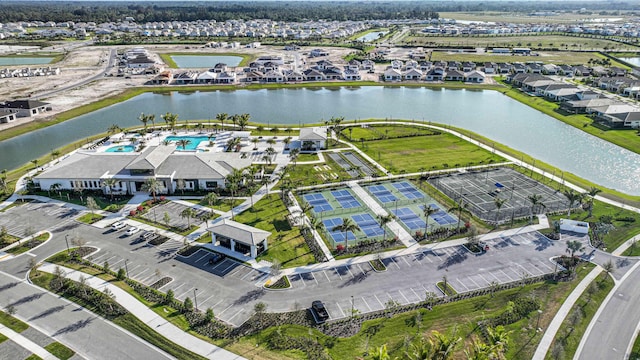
x,y
337,236
345,199
410,219
442,217
382,193
408,190
318,201
367,224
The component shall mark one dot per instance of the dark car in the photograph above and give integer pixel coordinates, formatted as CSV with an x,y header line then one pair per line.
x,y
319,311
148,235
215,258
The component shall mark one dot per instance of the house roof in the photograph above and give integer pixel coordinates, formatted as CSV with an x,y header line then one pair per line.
x,y
23,104
476,74
314,133
87,166
151,158
239,232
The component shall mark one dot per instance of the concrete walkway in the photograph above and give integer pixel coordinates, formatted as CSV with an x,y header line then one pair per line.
x,y
26,343
146,315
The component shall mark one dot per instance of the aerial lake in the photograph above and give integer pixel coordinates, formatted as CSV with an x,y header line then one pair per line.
x,y
205,61
631,60
15,61
488,113
372,36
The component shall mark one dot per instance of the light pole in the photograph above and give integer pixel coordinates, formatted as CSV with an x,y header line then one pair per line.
x,y
352,307
195,298
66,239
126,268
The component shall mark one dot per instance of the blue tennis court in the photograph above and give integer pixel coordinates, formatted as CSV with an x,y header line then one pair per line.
x,y
338,236
442,217
345,199
318,201
368,224
382,193
408,190
409,218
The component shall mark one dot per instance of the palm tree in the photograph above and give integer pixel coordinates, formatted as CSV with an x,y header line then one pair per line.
x,y
188,213
222,117
286,142
381,353
144,119
152,118
233,187
267,159
271,141
460,208
573,246
592,196
183,143
54,154
427,210
498,202
170,119
153,186
255,142
243,121
56,187
498,339
35,163
293,155
573,197
211,198
347,226
113,129
444,345
384,220
109,183
535,200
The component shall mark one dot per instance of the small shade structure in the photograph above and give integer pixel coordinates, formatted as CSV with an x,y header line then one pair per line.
x,y
240,238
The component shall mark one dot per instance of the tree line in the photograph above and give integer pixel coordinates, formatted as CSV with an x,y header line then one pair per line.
x,y
220,11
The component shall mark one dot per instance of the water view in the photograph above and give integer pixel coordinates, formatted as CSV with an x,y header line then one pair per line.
x,y
372,36
631,60
205,61
488,113
14,61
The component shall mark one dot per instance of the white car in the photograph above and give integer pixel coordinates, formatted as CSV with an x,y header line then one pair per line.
x,y
132,230
117,226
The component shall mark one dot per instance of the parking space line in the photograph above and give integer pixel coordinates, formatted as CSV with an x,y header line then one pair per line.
x,y
216,304
234,315
461,283
229,267
96,260
337,272
202,257
304,283
314,278
112,257
349,270
205,300
227,308
185,293
405,260
525,270
114,264
247,274
365,302
544,263
339,308
473,281
327,276
484,278
135,267
505,274
405,298
359,267
418,296
497,279
140,273
215,267
381,304
178,287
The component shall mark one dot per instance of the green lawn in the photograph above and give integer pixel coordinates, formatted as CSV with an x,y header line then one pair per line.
x,y
90,218
308,157
28,244
60,351
246,59
12,323
426,152
33,357
372,132
463,314
309,174
221,204
3,338
285,243
573,327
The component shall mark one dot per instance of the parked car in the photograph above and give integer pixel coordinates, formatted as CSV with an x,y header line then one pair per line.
x,y
216,258
118,226
132,230
319,311
148,235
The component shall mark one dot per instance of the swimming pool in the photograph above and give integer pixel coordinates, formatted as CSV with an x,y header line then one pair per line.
x,y
121,148
194,141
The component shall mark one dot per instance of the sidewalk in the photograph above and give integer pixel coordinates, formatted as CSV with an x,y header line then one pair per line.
x,y
149,317
26,343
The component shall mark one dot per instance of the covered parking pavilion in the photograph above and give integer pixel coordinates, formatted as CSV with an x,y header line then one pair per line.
x,y
239,238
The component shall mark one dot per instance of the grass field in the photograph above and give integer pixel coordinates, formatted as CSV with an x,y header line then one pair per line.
x,y
355,133
12,323
516,17
573,327
286,244
309,174
464,314
60,351
533,41
556,57
90,218
426,152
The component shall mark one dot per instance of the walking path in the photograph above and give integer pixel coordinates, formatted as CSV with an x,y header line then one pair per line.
x,y
146,315
26,343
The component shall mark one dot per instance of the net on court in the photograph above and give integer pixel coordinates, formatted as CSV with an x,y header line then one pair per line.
x,y
318,201
409,218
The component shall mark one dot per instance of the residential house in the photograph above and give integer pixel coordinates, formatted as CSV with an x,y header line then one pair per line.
x,y
565,70
435,74
582,106
274,76
333,74
323,65
468,66
26,108
227,77
312,139
254,76
581,70
519,68
453,65
413,74
163,78
293,75
549,69
313,75
354,65
425,66
534,68
454,75
318,53
397,64
8,115
504,68
368,65
352,75
475,76
392,74
219,68
186,78
207,77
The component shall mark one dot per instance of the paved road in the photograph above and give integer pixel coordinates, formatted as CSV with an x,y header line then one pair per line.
x,y
613,329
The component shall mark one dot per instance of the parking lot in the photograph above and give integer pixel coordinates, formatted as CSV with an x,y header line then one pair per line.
x,y
410,277
172,209
36,215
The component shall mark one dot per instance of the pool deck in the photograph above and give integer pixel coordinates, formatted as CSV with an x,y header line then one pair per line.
x,y
157,137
